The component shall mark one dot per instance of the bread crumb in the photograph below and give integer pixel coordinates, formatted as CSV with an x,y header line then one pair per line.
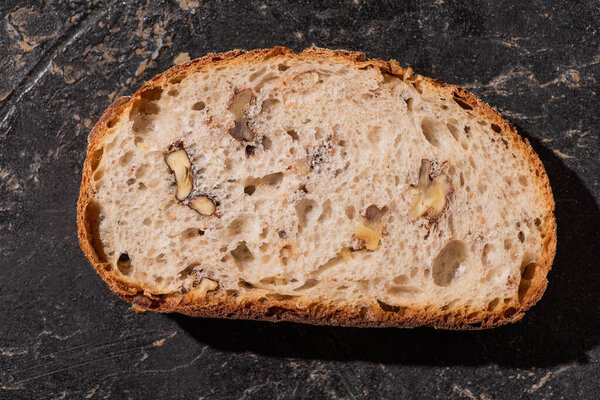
x,y
181,58
561,154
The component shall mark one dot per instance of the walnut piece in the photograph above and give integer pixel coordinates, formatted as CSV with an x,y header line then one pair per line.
x,y
179,162
430,195
199,292
345,253
203,205
370,228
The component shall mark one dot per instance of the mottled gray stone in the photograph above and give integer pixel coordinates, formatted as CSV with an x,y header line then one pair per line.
x,y
63,334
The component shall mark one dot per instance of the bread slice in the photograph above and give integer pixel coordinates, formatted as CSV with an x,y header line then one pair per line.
x,y
317,187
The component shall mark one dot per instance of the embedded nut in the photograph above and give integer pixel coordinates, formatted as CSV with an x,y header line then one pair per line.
x,y
345,253
199,292
369,230
370,236
238,105
430,195
203,205
179,162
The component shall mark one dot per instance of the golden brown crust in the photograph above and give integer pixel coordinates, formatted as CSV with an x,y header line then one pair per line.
x,y
263,308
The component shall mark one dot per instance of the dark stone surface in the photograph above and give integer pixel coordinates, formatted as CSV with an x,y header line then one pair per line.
x,y
63,334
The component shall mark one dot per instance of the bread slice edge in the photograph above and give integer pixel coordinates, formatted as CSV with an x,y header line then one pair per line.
x,y
252,307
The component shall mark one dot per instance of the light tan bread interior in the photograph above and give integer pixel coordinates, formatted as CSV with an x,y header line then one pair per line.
x,y
295,153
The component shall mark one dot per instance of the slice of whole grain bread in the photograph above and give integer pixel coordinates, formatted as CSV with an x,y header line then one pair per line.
x,y
317,187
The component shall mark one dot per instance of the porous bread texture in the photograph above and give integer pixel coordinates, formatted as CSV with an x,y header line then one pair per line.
x,y
329,137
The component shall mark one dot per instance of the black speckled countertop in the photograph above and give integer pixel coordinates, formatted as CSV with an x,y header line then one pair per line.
x,y
63,334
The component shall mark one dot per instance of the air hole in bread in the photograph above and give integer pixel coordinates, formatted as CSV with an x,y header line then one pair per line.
x,y
409,103
126,158
176,79
141,125
463,104
238,225
264,248
521,236
191,233
481,187
522,180
284,253
249,190
492,305
173,92
141,107
98,176
95,158
496,128
256,74
263,82
283,67
292,133
429,129
112,122
264,233
449,264
245,285
402,290
152,94
453,130
130,181
274,280
198,106
93,216
507,244
486,254
275,310
242,255
309,283
333,261
509,312
418,86
526,277
273,179
472,162
374,134
141,171
389,308
124,263
326,211
350,212
304,210
267,106
184,273
266,143
467,130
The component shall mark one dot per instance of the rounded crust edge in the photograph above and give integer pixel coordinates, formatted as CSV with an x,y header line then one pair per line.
x,y
258,307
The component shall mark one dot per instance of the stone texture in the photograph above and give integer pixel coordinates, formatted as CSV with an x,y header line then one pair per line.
x,y
64,335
